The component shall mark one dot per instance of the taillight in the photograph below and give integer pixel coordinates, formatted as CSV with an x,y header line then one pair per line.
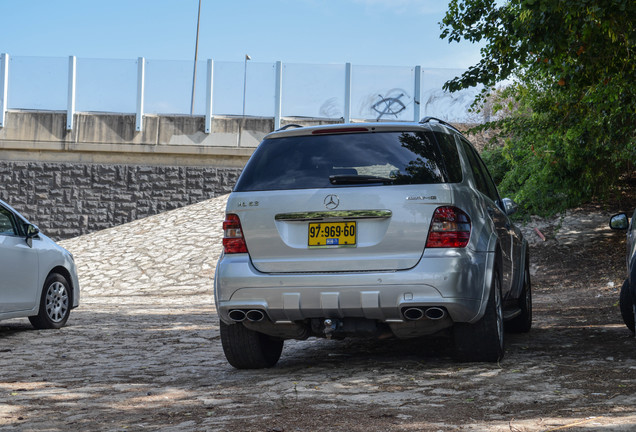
x,y
450,228
233,240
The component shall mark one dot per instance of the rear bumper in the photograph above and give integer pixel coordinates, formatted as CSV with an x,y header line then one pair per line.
x,y
454,279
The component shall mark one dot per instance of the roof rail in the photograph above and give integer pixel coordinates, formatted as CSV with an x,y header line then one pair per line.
x,y
428,119
288,126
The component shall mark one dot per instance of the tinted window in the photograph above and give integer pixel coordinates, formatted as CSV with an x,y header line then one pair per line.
x,y
490,184
448,147
481,174
7,225
323,161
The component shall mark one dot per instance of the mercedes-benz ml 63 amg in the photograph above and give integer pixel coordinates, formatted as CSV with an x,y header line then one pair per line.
x,y
369,229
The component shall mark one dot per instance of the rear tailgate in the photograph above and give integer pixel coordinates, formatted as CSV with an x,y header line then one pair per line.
x,y
386,227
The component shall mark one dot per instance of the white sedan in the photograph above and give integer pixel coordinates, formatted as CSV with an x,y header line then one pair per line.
x,y
38,278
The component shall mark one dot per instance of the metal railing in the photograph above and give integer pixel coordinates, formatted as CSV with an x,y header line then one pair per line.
x,y
337,91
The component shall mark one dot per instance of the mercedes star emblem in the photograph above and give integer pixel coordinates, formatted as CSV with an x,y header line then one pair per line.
x,y
332,201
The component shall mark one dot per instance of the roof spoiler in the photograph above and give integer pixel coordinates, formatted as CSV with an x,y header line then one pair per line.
x,y
435,119
291,125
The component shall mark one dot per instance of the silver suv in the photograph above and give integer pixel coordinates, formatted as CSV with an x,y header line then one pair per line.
x,y
369,230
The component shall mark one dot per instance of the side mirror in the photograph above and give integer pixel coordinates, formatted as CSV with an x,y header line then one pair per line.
x,y
31,231
509,206
619,222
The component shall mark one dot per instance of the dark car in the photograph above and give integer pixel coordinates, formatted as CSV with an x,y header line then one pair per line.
x,y
628,290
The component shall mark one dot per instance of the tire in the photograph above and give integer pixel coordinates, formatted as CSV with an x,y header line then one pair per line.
x,y
248,349
483,341
628,309
522,323
55,304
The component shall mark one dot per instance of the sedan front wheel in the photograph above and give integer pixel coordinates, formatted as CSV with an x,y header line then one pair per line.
x,y
55,304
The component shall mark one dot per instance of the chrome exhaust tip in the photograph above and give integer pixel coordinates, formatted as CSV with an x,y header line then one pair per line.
x,y
237,315
435,313
255,315
413,314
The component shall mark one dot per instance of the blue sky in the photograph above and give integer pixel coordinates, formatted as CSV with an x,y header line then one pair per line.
x,y
364,32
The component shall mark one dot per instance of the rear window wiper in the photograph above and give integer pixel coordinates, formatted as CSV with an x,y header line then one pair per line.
x,y
358,179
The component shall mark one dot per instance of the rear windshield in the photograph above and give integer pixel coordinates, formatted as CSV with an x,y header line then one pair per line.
x,y
355,159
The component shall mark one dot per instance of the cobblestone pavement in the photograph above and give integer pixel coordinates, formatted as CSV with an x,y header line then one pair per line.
x,y
142,352
146,322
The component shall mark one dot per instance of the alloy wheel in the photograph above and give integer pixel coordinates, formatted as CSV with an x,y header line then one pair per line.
x,y
56,302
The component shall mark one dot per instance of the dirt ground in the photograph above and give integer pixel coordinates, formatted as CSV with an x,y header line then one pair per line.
x,y
143,350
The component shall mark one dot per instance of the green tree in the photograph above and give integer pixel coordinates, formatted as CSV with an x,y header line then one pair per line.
x,y
572,74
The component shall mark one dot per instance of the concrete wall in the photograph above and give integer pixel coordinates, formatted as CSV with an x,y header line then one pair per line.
x,y
111,138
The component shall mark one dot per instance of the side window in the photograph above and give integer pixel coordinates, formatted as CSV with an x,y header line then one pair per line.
x,y
448,147
482,178
492,189
7,224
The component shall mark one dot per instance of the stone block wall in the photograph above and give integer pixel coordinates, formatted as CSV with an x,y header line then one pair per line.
x,y
69,199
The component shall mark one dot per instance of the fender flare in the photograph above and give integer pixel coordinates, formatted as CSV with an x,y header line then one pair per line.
x,y
515,292
492,261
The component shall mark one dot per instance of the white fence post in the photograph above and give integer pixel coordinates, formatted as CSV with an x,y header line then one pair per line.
x,y
141,73
72,75
417,94
208,97
278,95
4,85
347,95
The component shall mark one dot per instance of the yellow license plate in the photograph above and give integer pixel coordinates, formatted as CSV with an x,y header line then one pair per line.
x,y
334,234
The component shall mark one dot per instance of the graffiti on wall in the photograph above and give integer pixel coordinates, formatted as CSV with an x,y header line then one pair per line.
x,y
396,104
386,104
331,108
389,106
